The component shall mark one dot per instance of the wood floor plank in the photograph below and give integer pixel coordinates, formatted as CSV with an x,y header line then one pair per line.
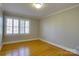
x,y
35,48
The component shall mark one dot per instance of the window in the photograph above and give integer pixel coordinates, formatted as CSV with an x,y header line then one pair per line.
x,y
9,26
16,26
22,27
27,27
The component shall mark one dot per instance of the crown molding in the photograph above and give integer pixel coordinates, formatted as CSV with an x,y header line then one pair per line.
x,y
60,11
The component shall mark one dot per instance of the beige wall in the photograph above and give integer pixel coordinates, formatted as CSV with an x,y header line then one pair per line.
x,y
34,33
62,28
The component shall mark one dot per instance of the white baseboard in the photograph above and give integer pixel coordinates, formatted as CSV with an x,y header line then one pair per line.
x,y
65,48
19,41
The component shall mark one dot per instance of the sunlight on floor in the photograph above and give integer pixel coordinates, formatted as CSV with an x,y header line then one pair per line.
x,y
33,48
22,51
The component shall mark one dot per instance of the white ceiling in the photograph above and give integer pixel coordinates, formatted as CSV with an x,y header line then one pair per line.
x,y
27,9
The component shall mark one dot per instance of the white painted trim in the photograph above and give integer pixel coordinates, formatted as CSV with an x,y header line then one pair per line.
x,y
65,48
60,11
19,41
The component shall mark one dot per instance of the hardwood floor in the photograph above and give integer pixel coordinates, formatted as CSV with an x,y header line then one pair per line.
x,y
33,48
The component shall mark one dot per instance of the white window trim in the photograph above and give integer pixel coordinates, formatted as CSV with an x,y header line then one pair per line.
x,y
18,26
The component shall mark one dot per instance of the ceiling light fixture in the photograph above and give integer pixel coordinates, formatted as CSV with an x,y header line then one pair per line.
x,y
38,5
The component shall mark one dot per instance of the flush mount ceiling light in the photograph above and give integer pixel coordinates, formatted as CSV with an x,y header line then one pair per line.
x,y
38,5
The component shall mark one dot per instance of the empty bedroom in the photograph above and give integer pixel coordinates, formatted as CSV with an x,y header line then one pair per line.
x,y
39,29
